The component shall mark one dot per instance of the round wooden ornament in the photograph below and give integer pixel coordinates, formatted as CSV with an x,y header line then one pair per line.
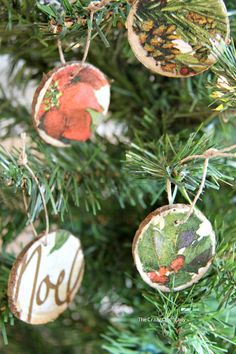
x,y
66,101
177,39
45,277
171,254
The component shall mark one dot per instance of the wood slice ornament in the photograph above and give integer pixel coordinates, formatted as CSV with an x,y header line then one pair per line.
x,y
170,254
175,38
67,101
45,277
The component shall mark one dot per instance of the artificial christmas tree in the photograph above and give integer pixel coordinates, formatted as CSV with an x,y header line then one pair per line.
x,y
163,142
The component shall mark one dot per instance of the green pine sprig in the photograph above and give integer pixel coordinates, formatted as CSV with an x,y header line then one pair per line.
x,y
162,162
224,86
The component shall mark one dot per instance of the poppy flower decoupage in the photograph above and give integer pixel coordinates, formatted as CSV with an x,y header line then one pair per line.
x,y
64,102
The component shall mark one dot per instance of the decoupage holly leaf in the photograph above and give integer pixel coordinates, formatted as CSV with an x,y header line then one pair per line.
x,y
192,224
186,238
60,240
97,117
147,251
200,261
167,252
180,278
187,59
187,232
198,252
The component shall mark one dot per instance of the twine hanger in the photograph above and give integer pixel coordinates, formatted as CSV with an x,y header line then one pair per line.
x,y
93,7
23,161
206,156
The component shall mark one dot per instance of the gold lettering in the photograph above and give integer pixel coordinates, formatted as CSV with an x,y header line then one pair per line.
x,y
49,285
25,264
69,288
47,282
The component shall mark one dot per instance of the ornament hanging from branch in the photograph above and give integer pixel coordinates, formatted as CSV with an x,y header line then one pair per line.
x,y
45,277
48,271
67,100
175,38
175,245
71,97
172,252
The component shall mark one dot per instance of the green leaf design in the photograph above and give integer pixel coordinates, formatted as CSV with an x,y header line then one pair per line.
x,y
187,232
187,59
147,251
169,234
160,247
200,261
179,278
96,116
196,249
192,224
60,239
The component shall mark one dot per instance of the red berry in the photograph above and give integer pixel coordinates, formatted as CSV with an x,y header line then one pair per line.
x,y
184,71
163,270
177,263
156,278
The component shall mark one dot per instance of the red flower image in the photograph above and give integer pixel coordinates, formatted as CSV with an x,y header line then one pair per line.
x,y
62,102
93,77
78,96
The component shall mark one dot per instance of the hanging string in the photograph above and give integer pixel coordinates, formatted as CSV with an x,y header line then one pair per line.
x,y
169,191
207,155
93,7
88,40
23,161
97,5
211,153
87,44
28,214
61,54
199,192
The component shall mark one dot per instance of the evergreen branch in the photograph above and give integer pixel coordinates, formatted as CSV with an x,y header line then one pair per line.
x,y
90,176
23,161
85,184
224,91
178,163
5,314
47,23
197,320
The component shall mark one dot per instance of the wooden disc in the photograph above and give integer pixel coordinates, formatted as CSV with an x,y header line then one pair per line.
x,y
45,277
170,254
66,102
177,41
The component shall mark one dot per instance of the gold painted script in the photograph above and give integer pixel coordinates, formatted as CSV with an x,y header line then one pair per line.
x,y
46,283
